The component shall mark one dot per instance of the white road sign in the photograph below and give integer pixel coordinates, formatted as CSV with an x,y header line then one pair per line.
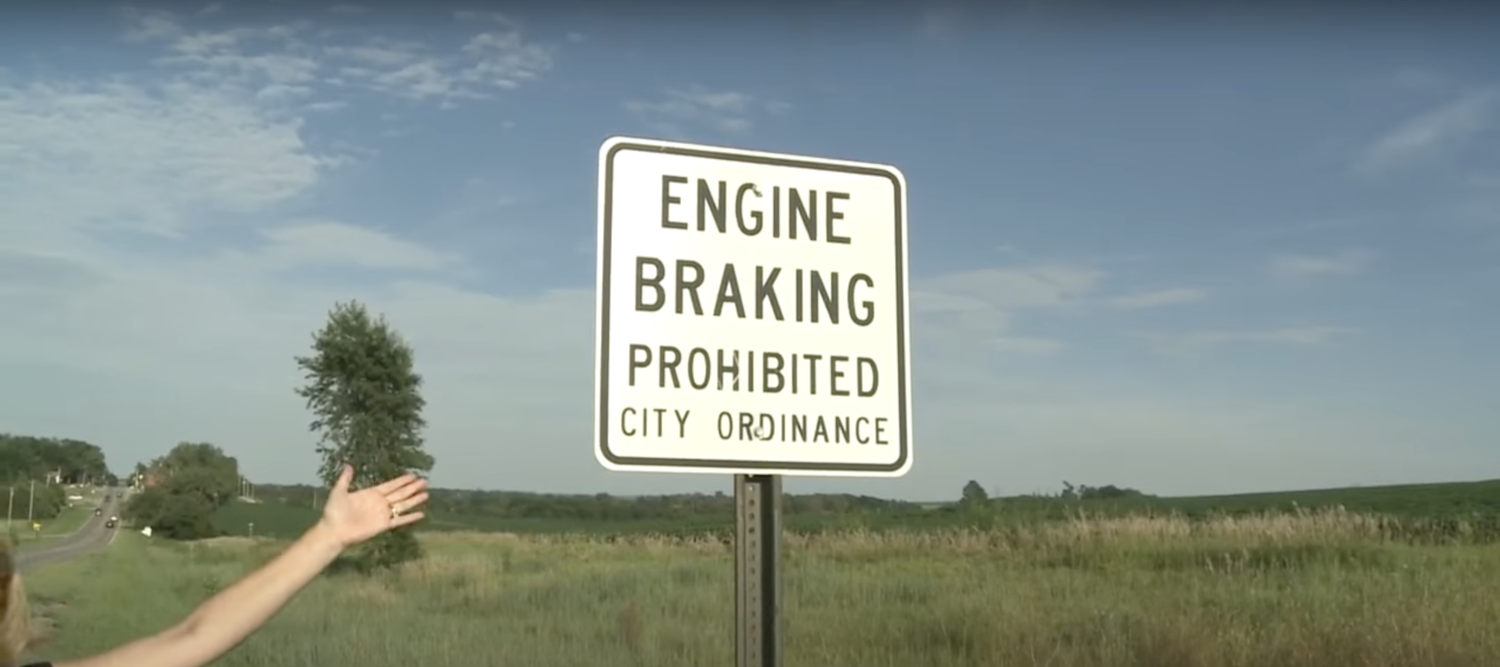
x,y
752,313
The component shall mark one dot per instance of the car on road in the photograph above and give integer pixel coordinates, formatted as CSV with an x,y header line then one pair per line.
x,y
98,512
110,523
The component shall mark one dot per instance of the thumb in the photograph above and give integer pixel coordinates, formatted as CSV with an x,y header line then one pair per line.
x,y
346,475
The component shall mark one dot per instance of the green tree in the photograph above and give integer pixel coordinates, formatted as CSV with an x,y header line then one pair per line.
x,y
202,470
974,496
192,481
177,516
30,457
81,462
144,508
367,404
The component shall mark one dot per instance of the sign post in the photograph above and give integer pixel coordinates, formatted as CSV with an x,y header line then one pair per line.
x,y
757,560
752,320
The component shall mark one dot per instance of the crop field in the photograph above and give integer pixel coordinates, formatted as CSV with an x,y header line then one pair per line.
x,y
1310,589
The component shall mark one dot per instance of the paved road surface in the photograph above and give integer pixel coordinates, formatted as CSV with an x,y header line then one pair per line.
x,y
91,537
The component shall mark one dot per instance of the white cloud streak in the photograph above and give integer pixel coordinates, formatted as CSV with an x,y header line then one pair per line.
x,y
681,110
1156,299
1427,136
290,61
1196,343
1346,263
152,157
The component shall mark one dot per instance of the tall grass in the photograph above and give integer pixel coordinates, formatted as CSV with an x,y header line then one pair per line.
x,y
1312,589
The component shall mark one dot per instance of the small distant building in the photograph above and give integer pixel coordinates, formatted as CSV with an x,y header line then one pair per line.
x,y
147,479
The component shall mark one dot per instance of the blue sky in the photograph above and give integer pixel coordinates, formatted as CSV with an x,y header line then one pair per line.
x,y
1208,253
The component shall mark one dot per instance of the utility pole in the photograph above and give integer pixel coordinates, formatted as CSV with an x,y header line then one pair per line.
x,y
11,506
31,504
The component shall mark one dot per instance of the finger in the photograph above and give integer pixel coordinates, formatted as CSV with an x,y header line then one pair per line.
x,y
395,483
408,504
346,475
407,519
407,491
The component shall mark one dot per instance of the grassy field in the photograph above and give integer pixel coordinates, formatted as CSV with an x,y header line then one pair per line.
x,y
1323,589
70,519
64,524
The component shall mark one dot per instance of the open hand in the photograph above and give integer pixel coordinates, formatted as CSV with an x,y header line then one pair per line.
x,y
352,518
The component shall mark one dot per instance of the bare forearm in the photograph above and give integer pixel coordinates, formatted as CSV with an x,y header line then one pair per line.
x,y
226,619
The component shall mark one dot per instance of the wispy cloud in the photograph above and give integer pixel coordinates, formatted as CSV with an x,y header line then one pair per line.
x,y
1028,345
1005,289
190,239
941,22
484,17
294,60
1166,297
1419,78
329,243
1284,230
1346,263
723,111
1196,343
1430,134
1484,181
120,142
977,309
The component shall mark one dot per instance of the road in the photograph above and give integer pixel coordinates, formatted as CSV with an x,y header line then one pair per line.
x,y
92,536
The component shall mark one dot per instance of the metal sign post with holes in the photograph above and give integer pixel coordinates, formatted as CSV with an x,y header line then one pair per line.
x,y
752,320
757,557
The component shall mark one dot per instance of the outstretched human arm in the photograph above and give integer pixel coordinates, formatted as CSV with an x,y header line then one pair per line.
x,y
227,618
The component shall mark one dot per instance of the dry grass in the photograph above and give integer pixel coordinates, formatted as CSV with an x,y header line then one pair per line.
x,y
1323,589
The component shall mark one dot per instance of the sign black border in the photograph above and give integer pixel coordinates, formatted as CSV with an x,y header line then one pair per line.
x,y
602,356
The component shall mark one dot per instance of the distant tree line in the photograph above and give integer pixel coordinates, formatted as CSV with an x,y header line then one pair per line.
x,y
602,506
35,473
191,482
1106,492
25,457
